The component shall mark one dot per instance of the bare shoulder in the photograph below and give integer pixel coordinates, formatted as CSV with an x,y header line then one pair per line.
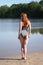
x,y
29,22
20,22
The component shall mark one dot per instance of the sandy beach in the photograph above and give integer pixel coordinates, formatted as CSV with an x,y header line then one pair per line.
x,y
32,59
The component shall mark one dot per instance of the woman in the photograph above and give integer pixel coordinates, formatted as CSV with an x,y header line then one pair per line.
x,y
24,35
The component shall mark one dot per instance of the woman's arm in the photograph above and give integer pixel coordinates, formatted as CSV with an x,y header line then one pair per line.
x,y
20,28
29,29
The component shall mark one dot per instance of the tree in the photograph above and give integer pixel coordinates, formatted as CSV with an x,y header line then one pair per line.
x,y
33,10
3,10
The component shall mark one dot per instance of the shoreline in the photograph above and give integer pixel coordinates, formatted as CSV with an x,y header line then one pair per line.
x,y
32,59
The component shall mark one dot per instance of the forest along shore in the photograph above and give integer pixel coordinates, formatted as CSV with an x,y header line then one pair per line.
x,y
33,9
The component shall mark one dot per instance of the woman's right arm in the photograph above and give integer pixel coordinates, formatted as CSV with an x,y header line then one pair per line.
x,y
20,28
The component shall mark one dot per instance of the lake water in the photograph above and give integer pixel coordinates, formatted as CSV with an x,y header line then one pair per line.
x,y
9,43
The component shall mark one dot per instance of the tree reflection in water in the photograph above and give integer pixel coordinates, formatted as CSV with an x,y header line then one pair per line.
x,y
37,30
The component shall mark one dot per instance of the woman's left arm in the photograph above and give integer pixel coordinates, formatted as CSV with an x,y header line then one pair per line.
x,y
29,29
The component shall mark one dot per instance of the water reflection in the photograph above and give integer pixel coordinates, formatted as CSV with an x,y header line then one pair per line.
x,y
37,31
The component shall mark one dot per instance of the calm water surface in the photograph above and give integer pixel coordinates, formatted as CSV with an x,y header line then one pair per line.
x,y
9,43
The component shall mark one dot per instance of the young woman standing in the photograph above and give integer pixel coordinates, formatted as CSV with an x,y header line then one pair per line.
x,y
24,33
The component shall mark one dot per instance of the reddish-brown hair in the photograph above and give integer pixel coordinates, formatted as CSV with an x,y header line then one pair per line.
x,y
22,15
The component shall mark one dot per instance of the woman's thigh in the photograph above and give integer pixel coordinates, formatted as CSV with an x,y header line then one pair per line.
x,y
23,41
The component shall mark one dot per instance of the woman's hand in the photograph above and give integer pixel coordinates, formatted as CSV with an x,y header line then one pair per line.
x,y
28,36
18,36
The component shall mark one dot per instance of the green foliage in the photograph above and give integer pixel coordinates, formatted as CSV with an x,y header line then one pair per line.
x,y
3,10
41,2
33,10
37,31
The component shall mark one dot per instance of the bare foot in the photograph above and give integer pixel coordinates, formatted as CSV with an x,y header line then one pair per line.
x,y
25,58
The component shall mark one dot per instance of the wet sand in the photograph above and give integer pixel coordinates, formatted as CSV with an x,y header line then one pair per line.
x,y
32,59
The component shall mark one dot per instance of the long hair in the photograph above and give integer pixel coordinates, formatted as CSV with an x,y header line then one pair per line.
x,y
22,15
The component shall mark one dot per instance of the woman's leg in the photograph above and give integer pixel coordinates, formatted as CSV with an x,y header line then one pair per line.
x,y
22,50
25,48
25,51
22,46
